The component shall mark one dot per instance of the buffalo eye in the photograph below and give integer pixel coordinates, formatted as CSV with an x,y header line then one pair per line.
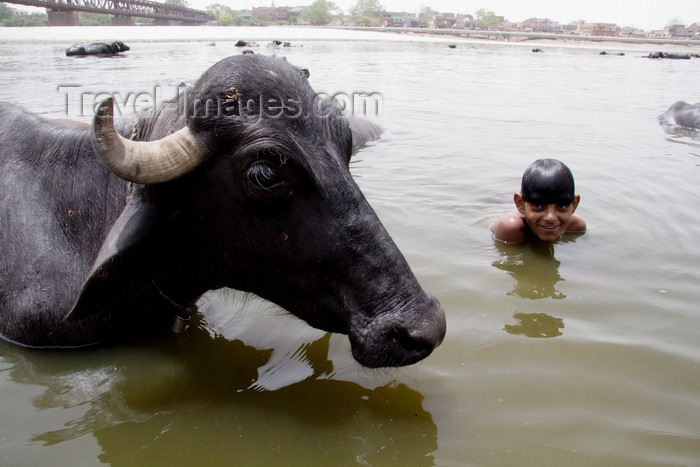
x,y
265,179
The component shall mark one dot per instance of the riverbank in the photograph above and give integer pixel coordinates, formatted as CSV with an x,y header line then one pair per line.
x,y
305,33
524,36
195,33
539,39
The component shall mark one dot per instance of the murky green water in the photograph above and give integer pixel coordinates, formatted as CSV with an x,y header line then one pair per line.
x,y
584,354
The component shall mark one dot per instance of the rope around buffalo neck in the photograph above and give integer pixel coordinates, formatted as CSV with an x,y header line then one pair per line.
x,y
184,313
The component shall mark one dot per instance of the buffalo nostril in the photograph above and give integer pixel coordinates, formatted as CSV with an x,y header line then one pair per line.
x,y
420,340
405,340
424,336
400,338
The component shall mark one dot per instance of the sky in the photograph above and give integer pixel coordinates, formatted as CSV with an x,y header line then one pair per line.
x,y
654,14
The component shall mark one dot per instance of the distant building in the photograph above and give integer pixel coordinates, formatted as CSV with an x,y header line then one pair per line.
x,y
598,29
632,32
468,21
273,13
679,31
393,19
676,31
502,23
572,28
656,34
446,21
453,20
463,20
543,25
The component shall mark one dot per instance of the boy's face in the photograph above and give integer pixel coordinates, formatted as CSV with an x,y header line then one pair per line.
x,y
547,221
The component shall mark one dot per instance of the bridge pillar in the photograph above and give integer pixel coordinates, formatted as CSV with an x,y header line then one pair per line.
x,y
161,22
63,18
122,20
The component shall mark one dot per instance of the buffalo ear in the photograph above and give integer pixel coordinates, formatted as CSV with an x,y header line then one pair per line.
x,y
121,264
363,130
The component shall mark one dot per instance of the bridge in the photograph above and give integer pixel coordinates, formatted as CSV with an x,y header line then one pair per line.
x,y
65,12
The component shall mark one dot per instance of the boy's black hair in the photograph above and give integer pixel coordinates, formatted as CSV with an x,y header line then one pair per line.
x,y
548,181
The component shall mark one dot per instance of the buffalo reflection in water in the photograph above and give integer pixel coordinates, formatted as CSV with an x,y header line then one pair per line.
x,y
199,395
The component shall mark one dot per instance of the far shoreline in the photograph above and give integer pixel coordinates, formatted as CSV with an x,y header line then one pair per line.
x,y
72,34
523,36
541,39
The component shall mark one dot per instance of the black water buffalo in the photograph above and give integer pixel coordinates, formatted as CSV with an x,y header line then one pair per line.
x,y
241,182
242,43
681,116
276,43
98,48
669,55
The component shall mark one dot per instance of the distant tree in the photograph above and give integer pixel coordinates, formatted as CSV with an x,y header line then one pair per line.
x,y
366,13
260,19
225,19
6,12
94,19
225,15
33,19
370,8
425,16
182,3
217,9
366,21
486,19
320,12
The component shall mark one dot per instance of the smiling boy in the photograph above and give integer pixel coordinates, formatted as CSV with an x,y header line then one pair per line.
x,y
545,205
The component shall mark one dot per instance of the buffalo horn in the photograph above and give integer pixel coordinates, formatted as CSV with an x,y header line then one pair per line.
x,y
145,161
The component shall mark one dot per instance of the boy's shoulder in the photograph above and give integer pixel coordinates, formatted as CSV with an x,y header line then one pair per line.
x,y
510,228
577,224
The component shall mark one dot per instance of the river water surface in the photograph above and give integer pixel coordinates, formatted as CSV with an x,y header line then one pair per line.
x,y
583,354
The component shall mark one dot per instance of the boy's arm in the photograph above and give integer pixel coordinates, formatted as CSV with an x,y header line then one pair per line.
x,y
509,229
